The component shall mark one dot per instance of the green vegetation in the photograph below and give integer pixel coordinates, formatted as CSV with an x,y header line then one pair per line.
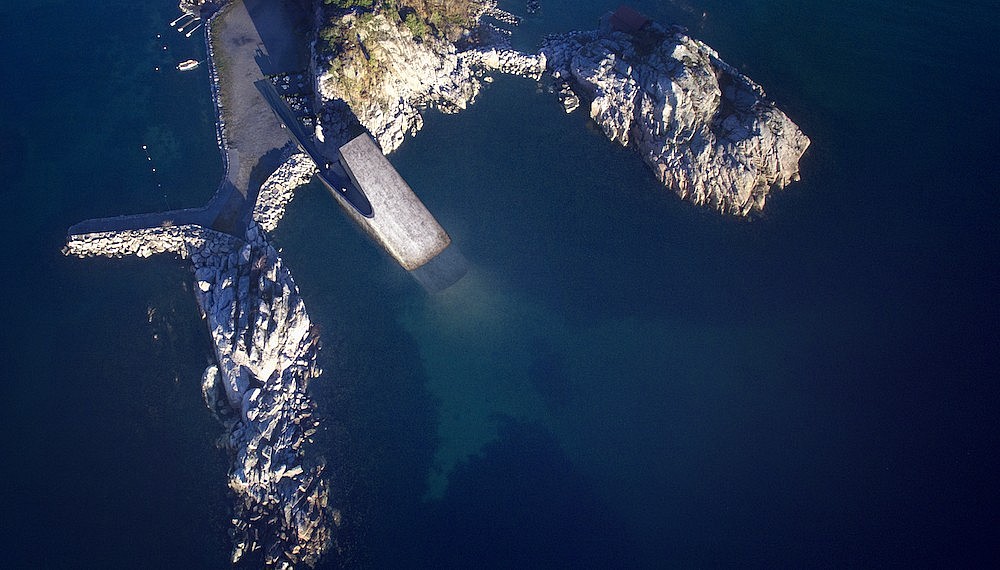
x,y
438,18
416,26
352,40
350,3
446,18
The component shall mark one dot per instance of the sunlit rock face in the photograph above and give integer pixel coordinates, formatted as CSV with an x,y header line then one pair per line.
x,y
706,130
266,349
386,75
266,352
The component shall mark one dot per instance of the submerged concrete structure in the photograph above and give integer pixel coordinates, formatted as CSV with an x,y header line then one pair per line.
x,y
400,223
372,192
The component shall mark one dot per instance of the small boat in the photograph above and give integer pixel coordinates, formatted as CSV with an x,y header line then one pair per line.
x,y
188,65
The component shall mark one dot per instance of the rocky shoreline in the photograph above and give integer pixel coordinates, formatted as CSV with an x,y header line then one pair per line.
x,y
385,77
266,350
707,131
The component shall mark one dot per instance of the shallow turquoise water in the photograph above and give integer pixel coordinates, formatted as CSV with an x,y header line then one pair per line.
x,y
621,380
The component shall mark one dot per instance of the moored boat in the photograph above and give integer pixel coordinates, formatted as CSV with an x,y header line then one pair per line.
x,y
188,65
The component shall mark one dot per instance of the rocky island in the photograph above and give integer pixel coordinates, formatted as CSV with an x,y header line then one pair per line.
x,y
707,132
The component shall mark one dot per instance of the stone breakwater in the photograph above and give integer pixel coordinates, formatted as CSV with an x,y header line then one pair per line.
x,y
279,189
143,243
508,61
266,352
707,131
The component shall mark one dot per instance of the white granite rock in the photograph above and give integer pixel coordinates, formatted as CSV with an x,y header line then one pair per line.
x,y
277,191
407,76
707,131
267,351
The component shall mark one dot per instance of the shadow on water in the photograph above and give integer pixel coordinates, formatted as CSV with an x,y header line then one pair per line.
x,y
378,419
519,503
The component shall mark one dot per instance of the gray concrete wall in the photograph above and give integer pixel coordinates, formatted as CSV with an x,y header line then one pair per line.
x,y
401,222
243,33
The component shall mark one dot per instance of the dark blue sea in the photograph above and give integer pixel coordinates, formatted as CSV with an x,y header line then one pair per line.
x,y
622,380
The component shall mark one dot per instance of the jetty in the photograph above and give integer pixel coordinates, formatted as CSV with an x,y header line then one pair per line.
x,y
249,41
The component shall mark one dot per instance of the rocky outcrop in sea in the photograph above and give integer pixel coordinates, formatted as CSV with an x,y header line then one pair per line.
x,y
266,352
707,131
385,76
